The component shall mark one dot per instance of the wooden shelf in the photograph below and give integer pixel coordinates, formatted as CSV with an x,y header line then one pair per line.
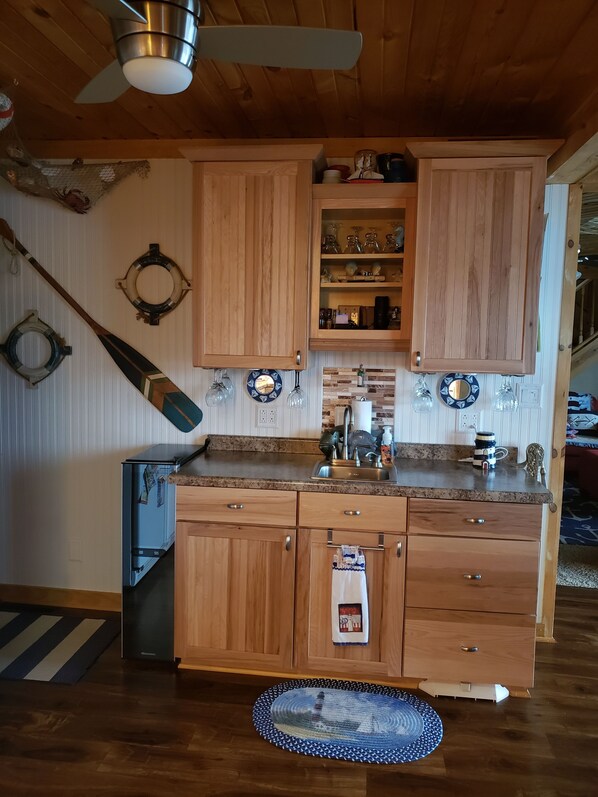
x,y
368,257
369,285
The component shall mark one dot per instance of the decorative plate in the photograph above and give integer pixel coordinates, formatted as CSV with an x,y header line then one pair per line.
x,y
465,386
264,385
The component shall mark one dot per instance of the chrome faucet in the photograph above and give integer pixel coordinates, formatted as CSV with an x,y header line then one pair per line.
x,y
347,421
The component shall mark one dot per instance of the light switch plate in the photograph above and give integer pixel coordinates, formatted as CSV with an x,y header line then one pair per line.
x,y
530,397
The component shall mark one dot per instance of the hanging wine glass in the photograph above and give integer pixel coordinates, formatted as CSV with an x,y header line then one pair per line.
x,y
505,399
227,384
297,397
422,400
216,394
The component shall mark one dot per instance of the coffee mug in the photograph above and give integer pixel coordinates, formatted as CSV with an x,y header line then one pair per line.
x,y
486,452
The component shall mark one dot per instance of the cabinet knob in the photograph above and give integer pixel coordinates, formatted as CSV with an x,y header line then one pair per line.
x,y
418,358
298,358
287,542
235,506
473,576
476,520
472,649
352,511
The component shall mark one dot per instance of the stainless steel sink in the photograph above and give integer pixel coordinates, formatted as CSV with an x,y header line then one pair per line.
x,y
346,470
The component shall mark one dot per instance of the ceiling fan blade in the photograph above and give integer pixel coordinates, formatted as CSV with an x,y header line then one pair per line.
x,y
278,45
106,86
119,9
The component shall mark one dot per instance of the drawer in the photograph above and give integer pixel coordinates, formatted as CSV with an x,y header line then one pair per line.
x,y
469,646
238,506
475,574
343,511
475,518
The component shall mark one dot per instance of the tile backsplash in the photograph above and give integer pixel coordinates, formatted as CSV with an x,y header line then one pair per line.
x,y
339,388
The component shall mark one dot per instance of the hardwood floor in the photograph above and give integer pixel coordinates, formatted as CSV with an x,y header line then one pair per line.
x,y
133,729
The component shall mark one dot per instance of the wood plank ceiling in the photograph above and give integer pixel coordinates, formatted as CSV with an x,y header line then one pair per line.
x,y
448,68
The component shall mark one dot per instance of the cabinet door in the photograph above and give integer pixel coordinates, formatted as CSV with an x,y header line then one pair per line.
x,y
477,267
251,244
234,596
385,573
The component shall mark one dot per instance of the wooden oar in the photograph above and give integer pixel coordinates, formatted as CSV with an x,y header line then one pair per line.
x,y
155,386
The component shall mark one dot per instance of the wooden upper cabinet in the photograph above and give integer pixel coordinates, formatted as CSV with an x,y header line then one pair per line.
x,y
251,253
477,264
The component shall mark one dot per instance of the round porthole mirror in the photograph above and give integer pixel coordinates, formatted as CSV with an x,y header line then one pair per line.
x,y
459,390
264,385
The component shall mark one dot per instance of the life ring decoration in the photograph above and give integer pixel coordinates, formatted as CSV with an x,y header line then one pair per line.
x,y
152,313
58,349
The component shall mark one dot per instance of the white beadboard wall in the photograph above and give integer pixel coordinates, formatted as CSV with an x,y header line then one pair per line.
x,y
62,443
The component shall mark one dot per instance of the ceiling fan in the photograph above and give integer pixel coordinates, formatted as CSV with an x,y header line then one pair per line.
x,y
158,43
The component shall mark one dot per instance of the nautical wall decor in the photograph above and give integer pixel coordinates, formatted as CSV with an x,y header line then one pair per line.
x,y
459,390
152,313
155,386
264,385
58,349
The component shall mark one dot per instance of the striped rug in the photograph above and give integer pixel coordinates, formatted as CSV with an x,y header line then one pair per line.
x,y
49,647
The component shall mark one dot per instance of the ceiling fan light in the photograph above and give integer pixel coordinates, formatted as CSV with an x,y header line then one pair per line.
x,y
157,75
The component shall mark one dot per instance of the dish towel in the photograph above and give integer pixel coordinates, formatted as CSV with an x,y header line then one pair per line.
x,y
350,616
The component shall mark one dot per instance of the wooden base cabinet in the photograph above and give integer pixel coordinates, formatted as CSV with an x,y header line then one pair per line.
x,y
234,596
385,573
235,578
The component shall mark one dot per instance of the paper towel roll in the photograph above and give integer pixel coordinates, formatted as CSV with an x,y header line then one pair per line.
x,y
362,415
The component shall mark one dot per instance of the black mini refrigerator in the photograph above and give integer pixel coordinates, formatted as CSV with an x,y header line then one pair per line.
x,y
148,529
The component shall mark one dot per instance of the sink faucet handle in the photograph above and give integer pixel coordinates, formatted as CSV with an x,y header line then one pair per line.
x,y
356,457
374,457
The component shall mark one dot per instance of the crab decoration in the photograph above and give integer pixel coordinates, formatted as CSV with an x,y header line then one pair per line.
x,y
73,198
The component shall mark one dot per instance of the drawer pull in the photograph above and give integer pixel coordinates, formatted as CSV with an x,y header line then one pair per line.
x,y
476,520
287,542
356,512
473,576
235,506
472,649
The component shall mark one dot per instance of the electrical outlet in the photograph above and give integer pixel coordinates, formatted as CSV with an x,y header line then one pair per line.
x,y
267,417
530,397
468,421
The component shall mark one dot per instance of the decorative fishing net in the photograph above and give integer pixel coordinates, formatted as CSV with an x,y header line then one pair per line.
x,y
76,186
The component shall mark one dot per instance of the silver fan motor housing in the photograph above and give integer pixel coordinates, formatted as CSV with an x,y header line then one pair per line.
x,y
170,32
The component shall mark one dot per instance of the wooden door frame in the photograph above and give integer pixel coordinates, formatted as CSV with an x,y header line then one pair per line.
x,y
546,620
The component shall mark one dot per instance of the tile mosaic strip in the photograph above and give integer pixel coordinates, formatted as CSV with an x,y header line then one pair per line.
x,y
340,388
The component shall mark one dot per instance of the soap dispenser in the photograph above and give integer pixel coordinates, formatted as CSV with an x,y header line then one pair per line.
x,y
386,447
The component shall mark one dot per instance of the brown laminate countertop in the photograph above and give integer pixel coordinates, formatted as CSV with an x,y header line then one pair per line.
x,y
425,477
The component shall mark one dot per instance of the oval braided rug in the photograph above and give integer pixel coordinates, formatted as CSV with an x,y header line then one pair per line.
x,y
348,721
